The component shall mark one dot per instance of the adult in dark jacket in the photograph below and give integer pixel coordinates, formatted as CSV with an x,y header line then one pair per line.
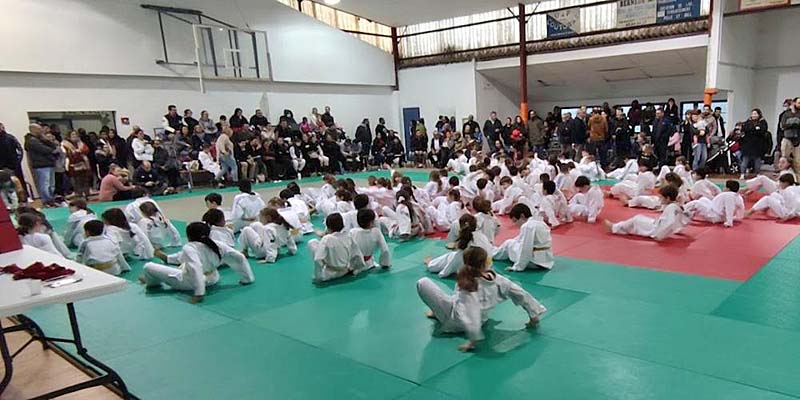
x,y
492,129
11,154
327,118
753,141
471,126
671,112
148,177
687,131
42,156
621,133
380,130
662,131
189,121
237,121
121,149
258,119
536,134
364,138
579,134
566,133
167,164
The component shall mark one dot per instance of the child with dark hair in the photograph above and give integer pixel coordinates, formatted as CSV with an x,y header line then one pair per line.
x,y
158,229
402,222
46,228
478,290
671,221
726,207
532,247
510,196
653,202
588,201
198,262
784,203
369,239
132,241
99,251
264,239
703,187
246,206
443,213
643,184
468,236
360,202
80,214
219,232
554,205
31,232
336,254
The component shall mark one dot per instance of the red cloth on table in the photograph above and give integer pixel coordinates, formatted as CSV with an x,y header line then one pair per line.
x,y
37,270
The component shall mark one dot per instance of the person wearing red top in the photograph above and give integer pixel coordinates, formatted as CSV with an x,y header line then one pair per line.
x,y
112,188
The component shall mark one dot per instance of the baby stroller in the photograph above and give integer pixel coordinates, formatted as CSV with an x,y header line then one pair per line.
x,y
722,158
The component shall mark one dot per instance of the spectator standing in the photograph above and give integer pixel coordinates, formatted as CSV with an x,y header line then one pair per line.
x,y
687,131
635,114
78,166
536,134
119,148
790,123
225,153
671,112
662,131
11,154
708,122
720,122
364,139
380,129
42,156
492,129
621,134
598,134
472,127
753,141
579,133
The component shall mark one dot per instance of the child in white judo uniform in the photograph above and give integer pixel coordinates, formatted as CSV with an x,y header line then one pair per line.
x,y
214,202
671,221
435,187
681,168
337,253
132,240
766,184
444,212
565,180
80,214
588,201
628,171
590,168
554,206
264,239
300,208
158,229
133,211
215,219
702,186
532,247
478,290
31,232
653,201
642,184
246,206
783,204
511,195
208,163
403,222
101,252
198,262
341,202
726,207
360,202
370,239
47,229
468,236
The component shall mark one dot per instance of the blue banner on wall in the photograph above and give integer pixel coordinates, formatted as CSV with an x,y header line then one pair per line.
x,y
676,10
563,23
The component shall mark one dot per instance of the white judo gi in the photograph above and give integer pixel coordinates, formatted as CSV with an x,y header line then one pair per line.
x,y
587,204
511,196
629,171
449,263
726,208
197,268
368,241
555,209
335,255
103,253
300,207
704,188
644,182
132,211
222,234
762,182
73,235
443,214
671,221
397,223
265,241
782,204
160,231
245,210
41,241
207,163
133,243
591,170
464,311
532,247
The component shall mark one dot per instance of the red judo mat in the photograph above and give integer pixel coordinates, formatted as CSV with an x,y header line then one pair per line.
x,y
700,249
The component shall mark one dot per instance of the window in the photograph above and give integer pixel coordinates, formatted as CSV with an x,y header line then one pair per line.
x,y
698,105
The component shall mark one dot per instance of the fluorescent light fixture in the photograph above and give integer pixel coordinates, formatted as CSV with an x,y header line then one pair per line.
x,y
332,2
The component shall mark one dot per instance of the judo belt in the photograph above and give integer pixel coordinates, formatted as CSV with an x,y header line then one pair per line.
x,y
367,258
103,266
535,249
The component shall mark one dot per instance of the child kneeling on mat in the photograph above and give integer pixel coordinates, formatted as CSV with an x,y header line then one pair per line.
x,y
198,260
100,251
478,290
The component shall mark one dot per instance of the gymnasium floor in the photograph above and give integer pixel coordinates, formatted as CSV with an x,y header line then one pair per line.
x,y
714,313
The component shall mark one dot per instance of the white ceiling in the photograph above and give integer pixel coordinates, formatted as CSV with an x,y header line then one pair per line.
x,y
650,74
409,12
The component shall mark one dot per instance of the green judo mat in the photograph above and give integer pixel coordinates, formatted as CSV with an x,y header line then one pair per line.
x,y
611,332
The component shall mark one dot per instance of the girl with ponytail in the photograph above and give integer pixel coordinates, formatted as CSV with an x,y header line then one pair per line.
x,y
478,291
80,214
31,232
198,263
468,236
159,229
132,240
444,212
402,222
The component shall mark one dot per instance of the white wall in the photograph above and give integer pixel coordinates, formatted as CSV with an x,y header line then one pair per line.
x,y
439,90
737,58
491,97
118,37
